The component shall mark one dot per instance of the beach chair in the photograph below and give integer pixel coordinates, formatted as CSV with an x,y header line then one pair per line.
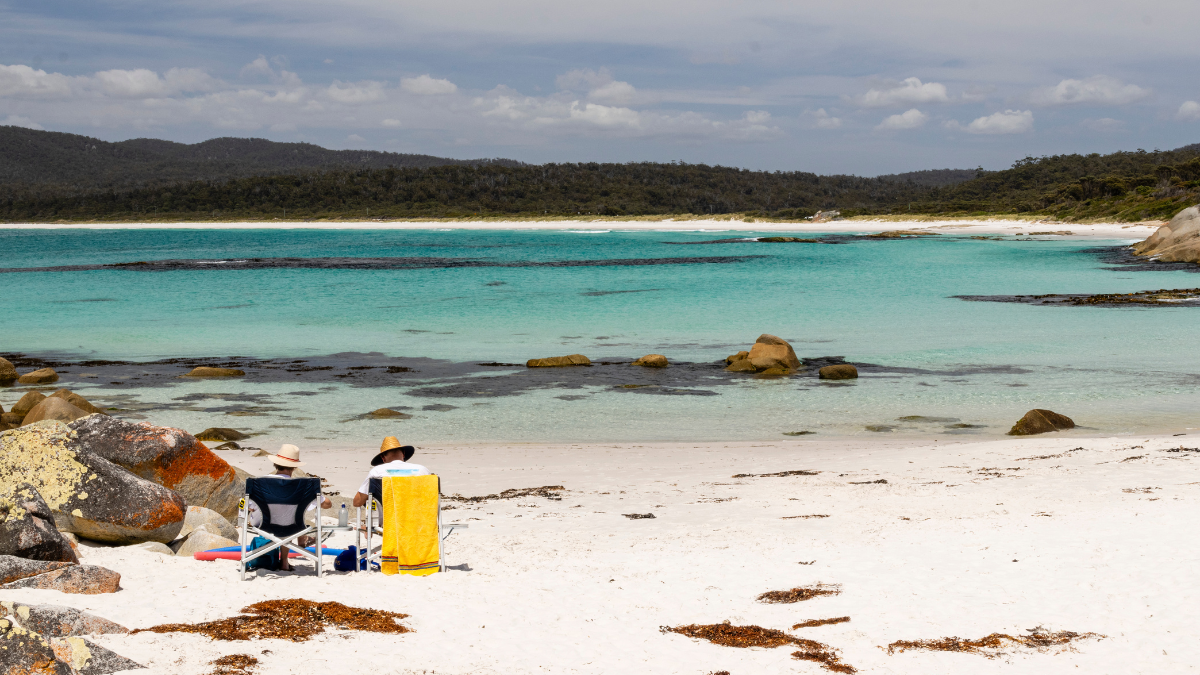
x,y
403,530
282,504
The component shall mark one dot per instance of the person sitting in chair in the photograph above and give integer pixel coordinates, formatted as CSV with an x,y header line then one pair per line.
x,y
285,462
392,460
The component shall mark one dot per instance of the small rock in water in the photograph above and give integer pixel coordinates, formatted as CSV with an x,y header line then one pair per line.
x,y
43,376
559,361
208,371
798,433
388,414
770,355
1038,421
652,361
221,434
841,371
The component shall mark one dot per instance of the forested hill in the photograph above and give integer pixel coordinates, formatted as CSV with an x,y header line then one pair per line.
x,y
53,162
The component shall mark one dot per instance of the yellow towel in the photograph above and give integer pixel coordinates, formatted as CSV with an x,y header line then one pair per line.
x,y
410,525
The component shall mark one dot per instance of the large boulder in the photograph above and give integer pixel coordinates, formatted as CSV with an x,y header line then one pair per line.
x,y
198,517
88,658
27,527
24,652
652,361
1177,241
53,409
27,403
13,568
208,371
77,401
87,494
80,579
769,353
8,372
170,457
558,361
838,371
221,434
42,376
1038,421
53,621
202,540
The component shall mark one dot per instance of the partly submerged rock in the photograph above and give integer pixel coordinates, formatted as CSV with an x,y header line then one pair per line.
x,y
42,376
1177,241
1038,421
27,527
208,371
51,621
77,401
558,361
53,409
170,457
733,358
27,402
388,414
652,361
221,434
87,494
80,579
768,353
838,371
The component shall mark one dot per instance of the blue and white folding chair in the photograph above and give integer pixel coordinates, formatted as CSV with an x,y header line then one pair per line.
x,y
278,506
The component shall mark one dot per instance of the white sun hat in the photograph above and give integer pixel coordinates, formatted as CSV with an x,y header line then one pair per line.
x,y
288,455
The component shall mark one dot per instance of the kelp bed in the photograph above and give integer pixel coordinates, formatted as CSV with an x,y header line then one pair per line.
x,y
728,635
821,622
234,664
550,492
799,594
295,620
993,645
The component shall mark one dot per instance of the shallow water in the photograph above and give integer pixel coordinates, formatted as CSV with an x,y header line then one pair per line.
x,y
461,298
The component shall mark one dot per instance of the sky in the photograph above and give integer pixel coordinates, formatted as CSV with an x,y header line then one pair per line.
x,y
859,86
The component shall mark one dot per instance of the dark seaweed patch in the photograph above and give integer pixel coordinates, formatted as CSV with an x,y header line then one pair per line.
x,y
993,645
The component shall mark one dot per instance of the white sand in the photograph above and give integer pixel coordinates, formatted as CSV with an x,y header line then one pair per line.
x,y
984,226
946,547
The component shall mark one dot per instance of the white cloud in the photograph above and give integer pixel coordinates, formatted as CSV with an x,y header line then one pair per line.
x,y
619,93
18,81
1190,110
819,119
908,92
391,123
1098,90
425,85
356,92
355,138
605,116
1006,122
18,121
583,79
140,83
1104,125
259,67
909,119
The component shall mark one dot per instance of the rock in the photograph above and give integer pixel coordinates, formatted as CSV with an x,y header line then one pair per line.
x,y
1038,421
388,414
558,361
206,371
773,371
733,358
87,494
43,376
170,457
201,540
27,402
1177,241
77,401
80,579
88,658
13,568
10,420
743,366
260,453
56,621
53,409
8,372
24,652
769,346
221,434
198,516
652,361
899,234
27,527
840,371
229,446
155,547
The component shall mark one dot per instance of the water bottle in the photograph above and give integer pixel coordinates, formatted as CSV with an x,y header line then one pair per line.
x,y
343,517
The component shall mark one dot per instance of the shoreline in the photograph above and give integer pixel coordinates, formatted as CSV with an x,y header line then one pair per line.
x,y
967,226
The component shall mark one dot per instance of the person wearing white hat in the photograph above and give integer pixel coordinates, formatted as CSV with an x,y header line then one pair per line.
x,y
285,462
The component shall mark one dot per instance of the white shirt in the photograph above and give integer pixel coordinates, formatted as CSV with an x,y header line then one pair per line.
x,y
396,468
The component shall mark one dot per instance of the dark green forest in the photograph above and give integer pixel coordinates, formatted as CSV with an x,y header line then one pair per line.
x,y
1120,186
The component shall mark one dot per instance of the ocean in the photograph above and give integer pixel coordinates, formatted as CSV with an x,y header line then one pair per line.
x,y
437,324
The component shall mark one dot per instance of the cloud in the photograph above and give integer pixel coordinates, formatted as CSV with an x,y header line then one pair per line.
x,y
355,92
355,138
1007,122
910,119
18,81
18,121
908,92
1104,125
1098,90
600,86
1190,110
391,123
425,85
621,93
819,119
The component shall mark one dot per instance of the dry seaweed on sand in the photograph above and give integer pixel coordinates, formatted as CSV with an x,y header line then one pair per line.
x,y
638,516
881,481
993,645
290,619
550,492
812,515
821,622
728,635
234,664
799,594
779,474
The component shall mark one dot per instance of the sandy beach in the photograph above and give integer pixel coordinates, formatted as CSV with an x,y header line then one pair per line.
x,y
983,226
1065,532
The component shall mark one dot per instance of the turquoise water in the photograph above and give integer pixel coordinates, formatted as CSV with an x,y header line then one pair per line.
x,y
883,303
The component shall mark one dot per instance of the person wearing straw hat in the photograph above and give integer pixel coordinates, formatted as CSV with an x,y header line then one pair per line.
x,y
285,462
391,460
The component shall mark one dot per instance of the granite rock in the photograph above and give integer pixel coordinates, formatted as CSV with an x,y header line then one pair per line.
x,y
838,371
207,371
652,361
1039,421
559,361
80,579
42,376
53,409
27,527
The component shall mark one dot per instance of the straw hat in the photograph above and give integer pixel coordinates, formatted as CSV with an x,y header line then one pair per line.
x,y
392,443
288,455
